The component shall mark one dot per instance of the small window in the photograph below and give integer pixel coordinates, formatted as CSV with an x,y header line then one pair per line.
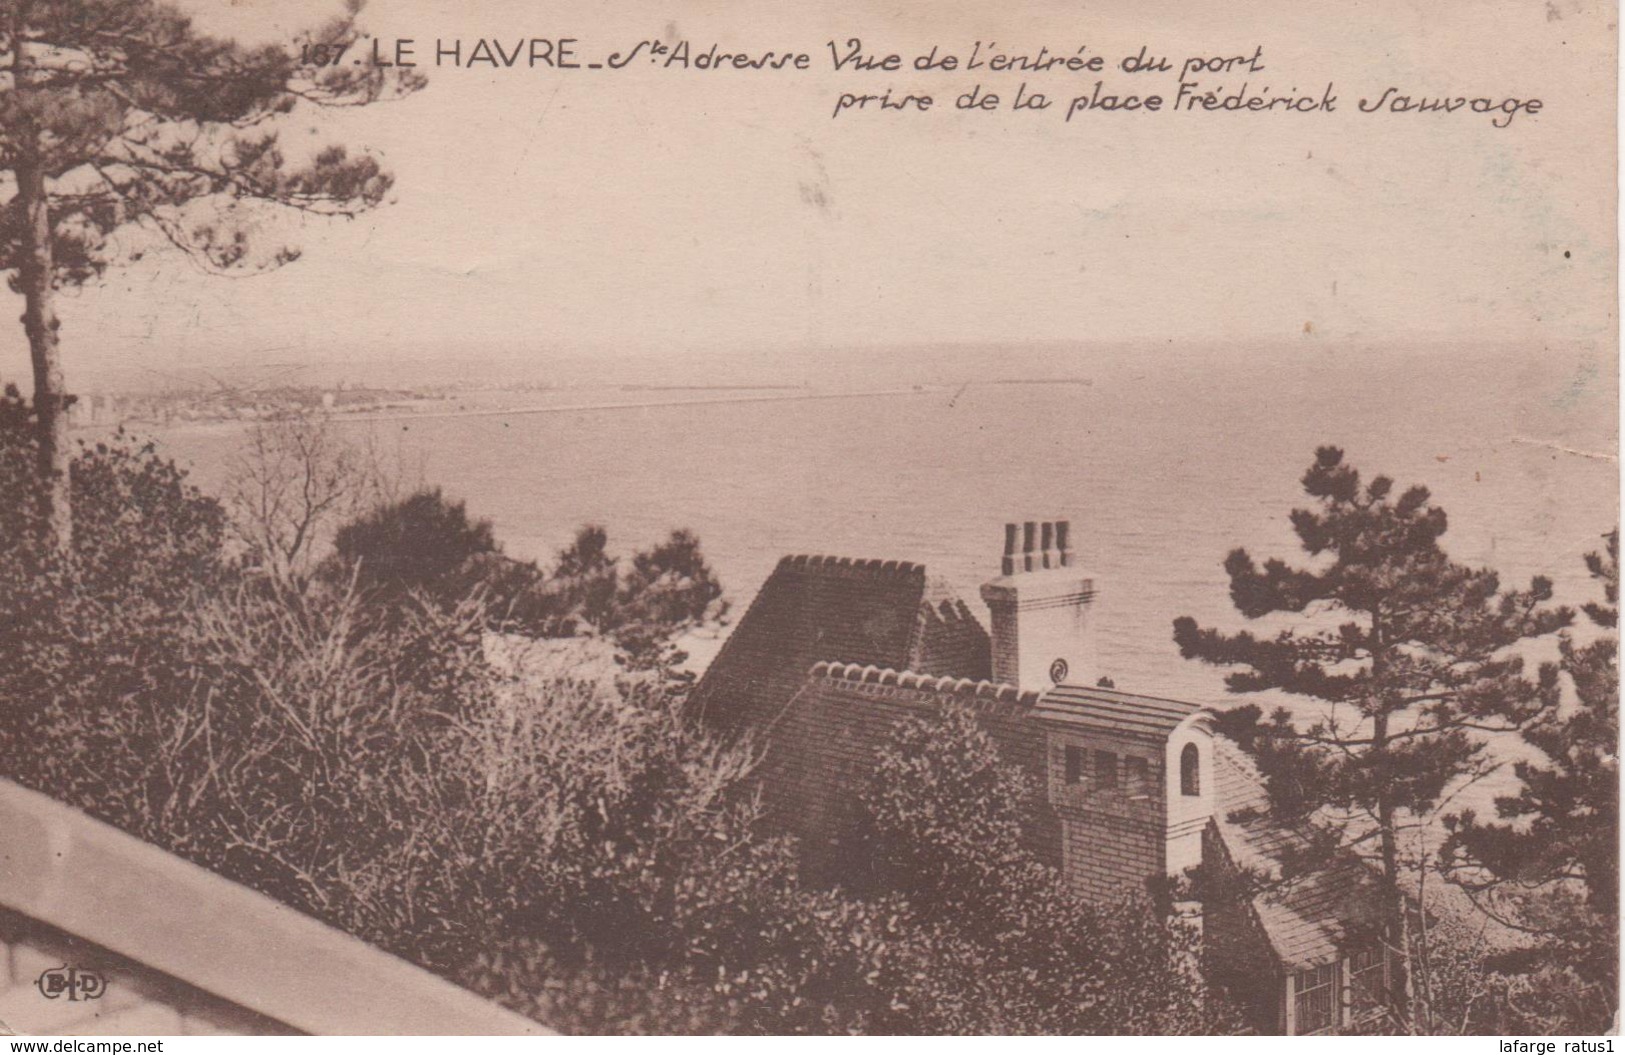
x,y
1074,765
1316,999
1190,771
1105,769
1368,980
1139,774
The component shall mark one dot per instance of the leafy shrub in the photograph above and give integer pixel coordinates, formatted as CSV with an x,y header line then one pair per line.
x,y
1013,948
429,544
1473,987
578,850
83,629
422,542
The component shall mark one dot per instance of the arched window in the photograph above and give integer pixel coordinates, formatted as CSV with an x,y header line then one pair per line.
x,y
1190,771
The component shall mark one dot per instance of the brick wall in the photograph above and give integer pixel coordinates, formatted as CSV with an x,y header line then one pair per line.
x,y
1105,856
821,753
1003,650
1114,834
1107,837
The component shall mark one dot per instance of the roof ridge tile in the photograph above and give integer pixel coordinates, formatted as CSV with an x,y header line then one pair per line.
x,y
971,689
853,567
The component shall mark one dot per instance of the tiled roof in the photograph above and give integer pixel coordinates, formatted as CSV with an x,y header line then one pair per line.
x,y
1309,918
1252,837
812,609
1126,712
1261,843
944,689
1240,786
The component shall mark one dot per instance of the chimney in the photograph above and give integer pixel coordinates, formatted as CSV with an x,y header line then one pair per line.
x,y
1040,605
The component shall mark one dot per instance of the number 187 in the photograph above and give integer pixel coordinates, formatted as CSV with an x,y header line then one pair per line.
x,y
322,54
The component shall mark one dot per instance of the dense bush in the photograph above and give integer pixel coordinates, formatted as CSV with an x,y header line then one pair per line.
x,y
422,542
579,850
1475,987
294,739
95,623
957,930
345,747
428,545
1015,949
659,593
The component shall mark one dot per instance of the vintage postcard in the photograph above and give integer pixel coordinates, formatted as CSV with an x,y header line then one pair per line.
x,y
838,518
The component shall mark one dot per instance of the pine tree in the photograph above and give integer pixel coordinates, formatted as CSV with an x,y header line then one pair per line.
x,y
117,113
1410,655
1563,825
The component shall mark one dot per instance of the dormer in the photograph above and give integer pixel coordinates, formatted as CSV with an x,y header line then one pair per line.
x,y
1189,791
1130,778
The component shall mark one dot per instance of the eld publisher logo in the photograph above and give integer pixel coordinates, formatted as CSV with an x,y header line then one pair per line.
x,y
70,982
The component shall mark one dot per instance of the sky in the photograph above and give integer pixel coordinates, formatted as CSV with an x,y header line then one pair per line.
x,y
676,213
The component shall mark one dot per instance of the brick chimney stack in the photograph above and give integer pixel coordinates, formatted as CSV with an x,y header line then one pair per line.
x,y
1040,605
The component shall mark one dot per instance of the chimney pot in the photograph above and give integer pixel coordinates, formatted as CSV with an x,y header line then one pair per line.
x,y
1041,629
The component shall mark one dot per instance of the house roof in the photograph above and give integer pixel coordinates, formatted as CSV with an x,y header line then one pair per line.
x,y
825,743
1240,787
1149,716
1253,838
814,746
833,609
974,692
1310,918
836,627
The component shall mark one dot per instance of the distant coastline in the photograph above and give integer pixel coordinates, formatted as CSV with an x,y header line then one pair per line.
x,y
565,408
188,411
433,407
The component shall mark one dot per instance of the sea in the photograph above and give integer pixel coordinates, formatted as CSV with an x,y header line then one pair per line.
x,y
1163,463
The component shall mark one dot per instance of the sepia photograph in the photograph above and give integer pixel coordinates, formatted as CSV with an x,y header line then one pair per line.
x,y
693,518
